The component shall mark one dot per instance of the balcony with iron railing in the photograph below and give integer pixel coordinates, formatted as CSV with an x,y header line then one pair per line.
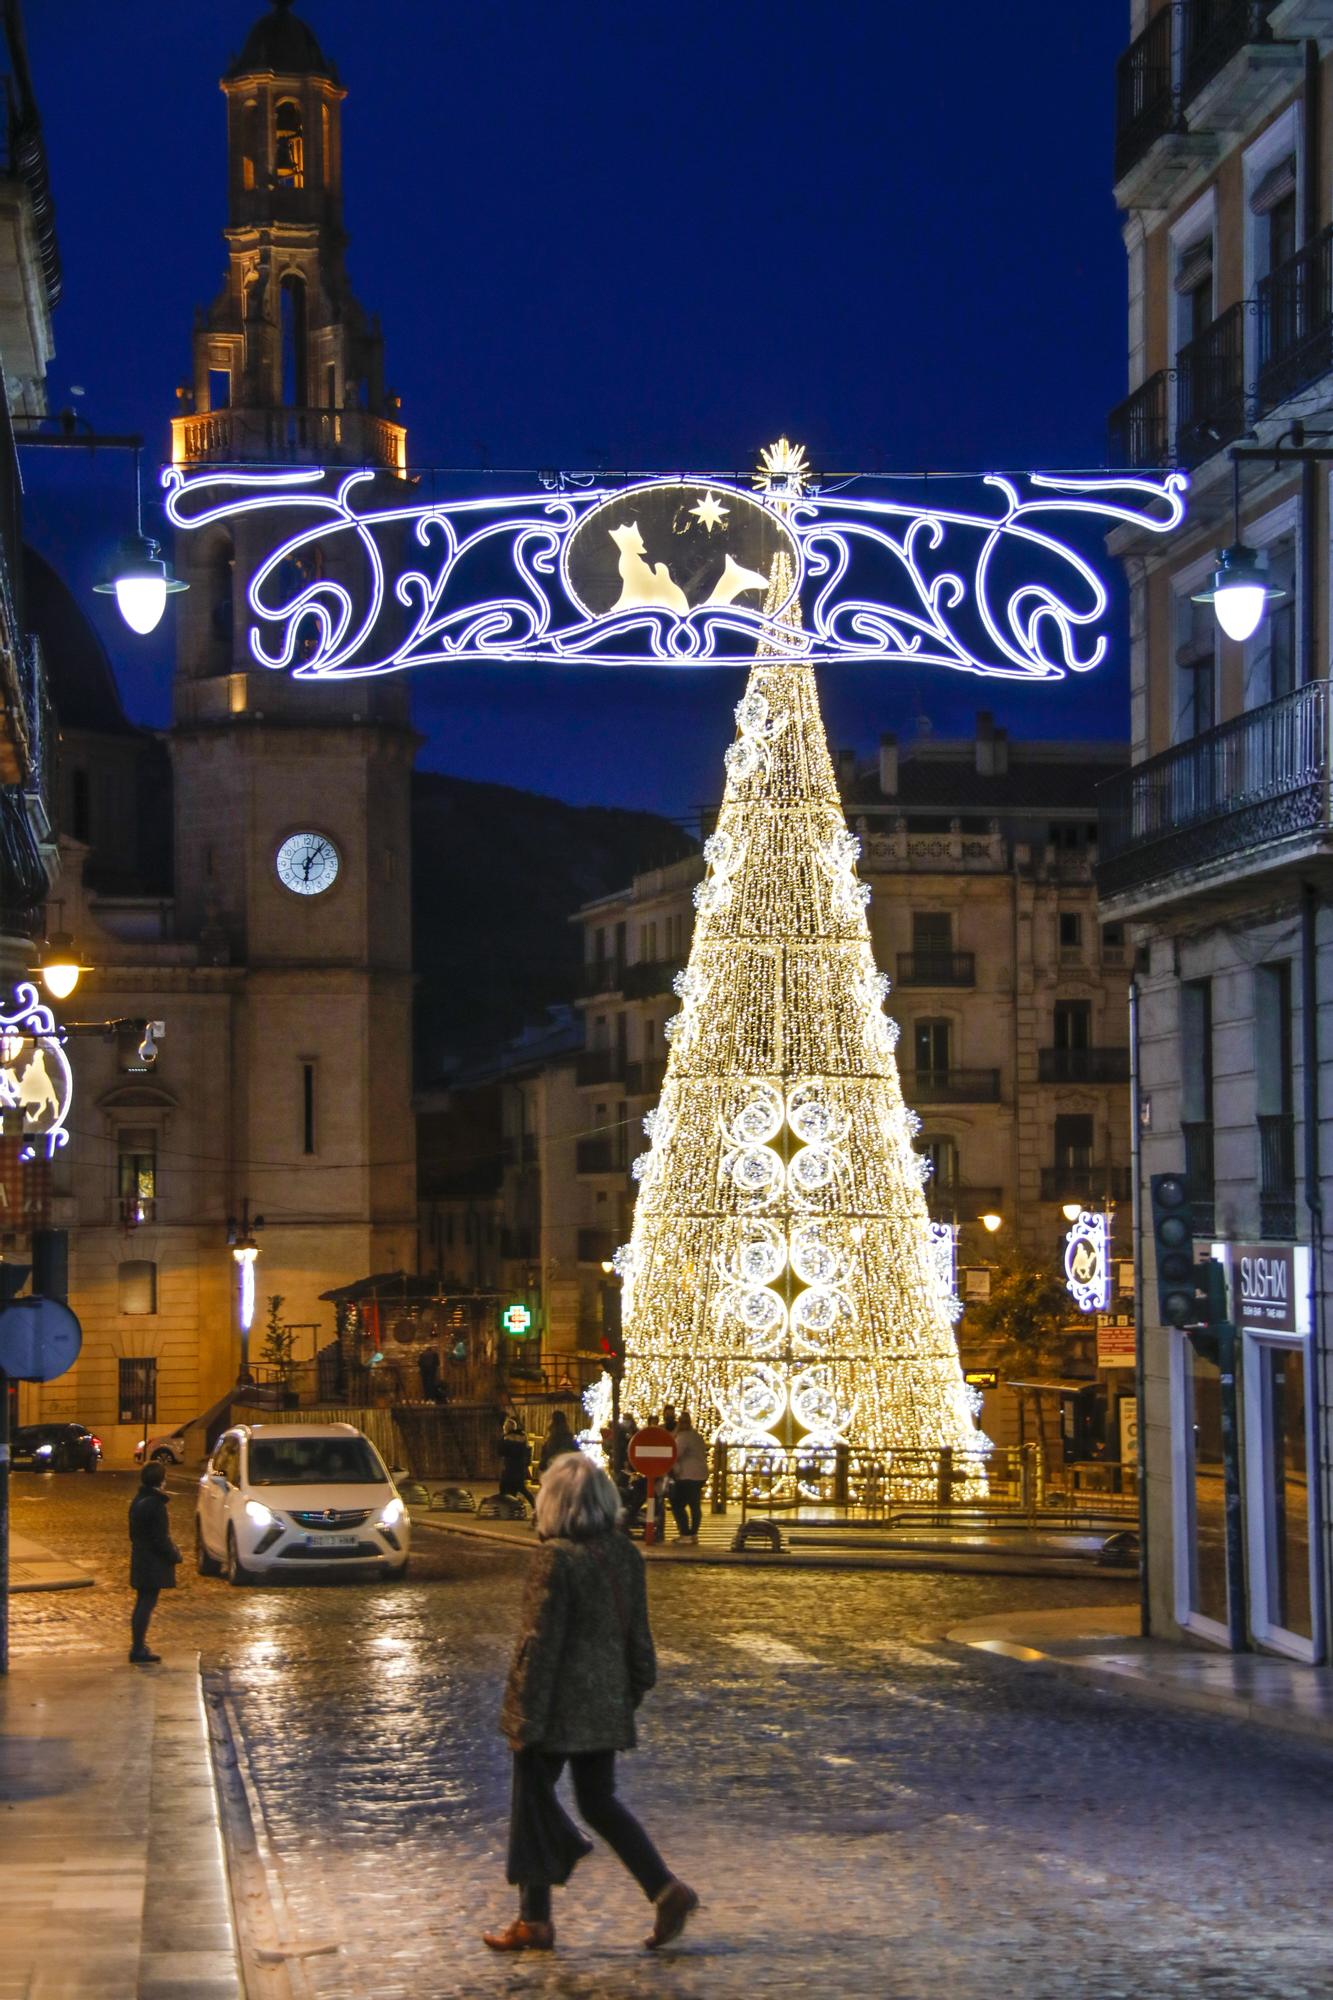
x,y
1242,795
601,975
599,1066
1080,1180
649,977
1214,32
952,1201
1277,1174
1145,97
1083,1065
954,1086
644,1079
937,968
1296,322
1138,431
1210,387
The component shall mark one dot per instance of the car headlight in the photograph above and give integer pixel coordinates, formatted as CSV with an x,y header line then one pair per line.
x,y
43,1451
256,1511
391,1514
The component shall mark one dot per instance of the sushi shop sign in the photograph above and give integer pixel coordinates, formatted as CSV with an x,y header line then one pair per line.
x,y
1269,1287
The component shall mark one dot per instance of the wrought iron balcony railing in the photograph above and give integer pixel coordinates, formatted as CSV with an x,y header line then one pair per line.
x,y
1077,1180
1145,99
600,1066
1138,431
649,977
1277,1174
937,968
601,975
1217,30
1199,1181
950,1201
1296,321
954,1086
1258,779
1083,1065
1210,387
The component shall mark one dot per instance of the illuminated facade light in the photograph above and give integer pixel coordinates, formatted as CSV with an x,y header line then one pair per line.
x,y
1088,1261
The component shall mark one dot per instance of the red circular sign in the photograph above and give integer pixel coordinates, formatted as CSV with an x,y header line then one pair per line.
x,y
652,1451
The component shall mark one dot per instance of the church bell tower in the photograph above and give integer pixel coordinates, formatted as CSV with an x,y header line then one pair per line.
x,y
292,798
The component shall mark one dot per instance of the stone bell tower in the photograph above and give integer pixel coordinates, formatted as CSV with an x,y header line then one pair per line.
x,y
292,798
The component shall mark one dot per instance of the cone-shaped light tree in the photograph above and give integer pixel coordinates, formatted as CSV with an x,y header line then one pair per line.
x,y
782,1280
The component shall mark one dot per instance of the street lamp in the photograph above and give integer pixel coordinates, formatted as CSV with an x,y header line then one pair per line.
x,y
240,1237
141,579
1072,1211
58,965
1240,591
990,1221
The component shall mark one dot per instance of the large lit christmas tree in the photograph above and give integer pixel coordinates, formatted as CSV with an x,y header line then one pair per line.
x,y
782,1280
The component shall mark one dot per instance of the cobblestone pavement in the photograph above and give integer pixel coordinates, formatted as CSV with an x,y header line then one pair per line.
x,y
865,1810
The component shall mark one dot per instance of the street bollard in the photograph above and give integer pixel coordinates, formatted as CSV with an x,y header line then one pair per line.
x,y
1027,1479
944,1487
719,1497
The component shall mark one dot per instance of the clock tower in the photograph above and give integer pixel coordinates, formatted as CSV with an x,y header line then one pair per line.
x,y
292,799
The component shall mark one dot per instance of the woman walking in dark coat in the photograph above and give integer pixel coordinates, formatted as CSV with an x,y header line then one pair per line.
x,y
583,1663
153,1558
559,1438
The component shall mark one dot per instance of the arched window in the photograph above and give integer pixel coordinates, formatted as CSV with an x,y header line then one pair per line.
x,y
288,145
294,386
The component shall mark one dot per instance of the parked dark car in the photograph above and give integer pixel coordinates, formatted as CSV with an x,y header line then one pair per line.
x,y
55,1448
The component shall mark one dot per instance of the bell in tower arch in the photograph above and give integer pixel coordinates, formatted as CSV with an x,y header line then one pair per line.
x,y
289,145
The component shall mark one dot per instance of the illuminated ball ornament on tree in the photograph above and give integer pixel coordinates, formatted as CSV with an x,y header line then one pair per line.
x,y
783,1280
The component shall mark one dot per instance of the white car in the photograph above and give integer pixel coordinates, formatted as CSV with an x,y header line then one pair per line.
x,y
282,1497
169,1449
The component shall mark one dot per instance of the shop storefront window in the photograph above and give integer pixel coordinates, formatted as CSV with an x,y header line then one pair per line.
x,y
1287,1488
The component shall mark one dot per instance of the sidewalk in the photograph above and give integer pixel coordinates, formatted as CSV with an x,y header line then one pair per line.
x,y
1102,1644
811,1545
34,1567
112,1877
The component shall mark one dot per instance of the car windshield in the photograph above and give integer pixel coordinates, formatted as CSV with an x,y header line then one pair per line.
x,y
313,1461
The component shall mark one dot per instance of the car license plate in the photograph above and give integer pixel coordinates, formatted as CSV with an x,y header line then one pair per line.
x,y
330,1541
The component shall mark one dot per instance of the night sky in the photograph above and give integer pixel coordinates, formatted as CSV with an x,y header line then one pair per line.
x,y
644,237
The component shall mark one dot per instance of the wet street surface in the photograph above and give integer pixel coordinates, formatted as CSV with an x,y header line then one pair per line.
x,y
864,1809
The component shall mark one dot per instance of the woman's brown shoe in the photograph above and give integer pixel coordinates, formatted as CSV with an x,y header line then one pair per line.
x,y
674,1905
521,1936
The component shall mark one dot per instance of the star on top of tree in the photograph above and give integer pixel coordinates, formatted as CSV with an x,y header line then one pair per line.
x,y
783,469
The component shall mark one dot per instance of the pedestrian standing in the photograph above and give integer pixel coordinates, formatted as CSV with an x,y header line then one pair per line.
x,y
153,1558
559,1438
515,1459
583,1663
689,1476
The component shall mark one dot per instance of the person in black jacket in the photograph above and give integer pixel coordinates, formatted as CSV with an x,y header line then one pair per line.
x,y
153,1558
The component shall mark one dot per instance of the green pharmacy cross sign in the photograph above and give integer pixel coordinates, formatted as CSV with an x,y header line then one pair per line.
x,y
516,1321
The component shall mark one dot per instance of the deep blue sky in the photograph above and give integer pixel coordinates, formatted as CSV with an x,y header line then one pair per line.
x,y
661,235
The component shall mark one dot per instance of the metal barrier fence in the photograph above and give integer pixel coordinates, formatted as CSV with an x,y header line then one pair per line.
x,y
921,1487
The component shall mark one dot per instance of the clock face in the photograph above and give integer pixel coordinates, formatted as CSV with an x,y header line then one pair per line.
x,y
307,863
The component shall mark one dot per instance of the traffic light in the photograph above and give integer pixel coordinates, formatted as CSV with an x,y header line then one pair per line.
x,y
1189,1295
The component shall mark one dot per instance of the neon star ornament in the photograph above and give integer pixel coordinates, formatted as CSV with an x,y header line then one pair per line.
x,y
676,572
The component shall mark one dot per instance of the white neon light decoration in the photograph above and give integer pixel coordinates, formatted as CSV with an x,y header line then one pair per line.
x,y
35,1076
1088,1261
933,602
245,1255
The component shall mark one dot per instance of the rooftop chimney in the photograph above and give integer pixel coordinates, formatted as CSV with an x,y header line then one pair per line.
x,y
888,766
992,746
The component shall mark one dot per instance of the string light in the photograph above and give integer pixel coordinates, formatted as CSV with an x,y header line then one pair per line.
x,y
783,1280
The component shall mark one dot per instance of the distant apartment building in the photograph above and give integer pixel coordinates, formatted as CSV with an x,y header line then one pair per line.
x,y
1216,847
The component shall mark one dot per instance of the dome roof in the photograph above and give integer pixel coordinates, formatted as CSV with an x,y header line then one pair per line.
x,y
79,676
281,43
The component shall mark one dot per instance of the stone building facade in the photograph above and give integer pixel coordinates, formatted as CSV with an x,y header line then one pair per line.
x,y
1215,847
282,1084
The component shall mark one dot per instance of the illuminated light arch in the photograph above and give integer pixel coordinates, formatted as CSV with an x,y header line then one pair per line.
x,y
939,589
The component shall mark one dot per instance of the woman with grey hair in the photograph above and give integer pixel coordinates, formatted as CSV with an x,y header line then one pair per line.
x,y
583,1663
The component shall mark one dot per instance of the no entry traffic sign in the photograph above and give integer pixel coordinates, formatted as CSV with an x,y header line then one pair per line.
x,y
652,1451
